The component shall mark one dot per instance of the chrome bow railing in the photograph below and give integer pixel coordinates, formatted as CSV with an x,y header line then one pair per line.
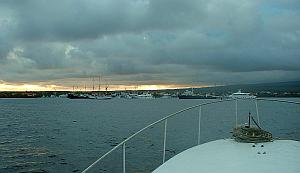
x,y
165,120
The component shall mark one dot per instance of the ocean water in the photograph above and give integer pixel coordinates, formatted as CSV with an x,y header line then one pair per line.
x,y
62,135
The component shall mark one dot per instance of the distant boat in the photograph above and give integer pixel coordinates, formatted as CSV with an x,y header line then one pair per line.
x,y
145,96
78,96
63,96
166,96
128,95
241,95
190,95
132,96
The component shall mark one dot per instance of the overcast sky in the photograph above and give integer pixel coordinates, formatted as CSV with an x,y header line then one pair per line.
x,y
150,41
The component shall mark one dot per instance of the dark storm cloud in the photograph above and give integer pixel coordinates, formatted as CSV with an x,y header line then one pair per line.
x,y
5,34
77,19
192,41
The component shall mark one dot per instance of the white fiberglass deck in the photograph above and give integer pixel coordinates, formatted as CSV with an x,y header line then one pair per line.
x,y
229,156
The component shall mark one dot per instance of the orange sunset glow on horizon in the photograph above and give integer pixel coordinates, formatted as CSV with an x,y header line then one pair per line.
x,y
52,87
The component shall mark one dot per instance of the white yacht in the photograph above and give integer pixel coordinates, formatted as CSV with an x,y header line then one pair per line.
x,y
241,95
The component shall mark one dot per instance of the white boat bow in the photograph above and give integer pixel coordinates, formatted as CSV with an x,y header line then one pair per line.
x,y
229,156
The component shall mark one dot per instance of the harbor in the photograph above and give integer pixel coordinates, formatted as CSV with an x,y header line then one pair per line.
x,y
149,86
278,90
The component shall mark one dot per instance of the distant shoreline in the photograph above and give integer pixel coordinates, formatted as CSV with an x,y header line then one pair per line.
x,y
278,90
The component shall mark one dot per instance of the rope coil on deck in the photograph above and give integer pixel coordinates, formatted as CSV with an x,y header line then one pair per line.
x,y
251,134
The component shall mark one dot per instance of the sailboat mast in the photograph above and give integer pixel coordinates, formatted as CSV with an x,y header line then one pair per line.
x,y
99,83
93,83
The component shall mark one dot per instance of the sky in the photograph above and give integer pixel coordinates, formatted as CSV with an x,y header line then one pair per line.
x,y
147,44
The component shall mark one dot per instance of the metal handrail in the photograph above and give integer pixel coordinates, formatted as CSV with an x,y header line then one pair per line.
x,y
165,127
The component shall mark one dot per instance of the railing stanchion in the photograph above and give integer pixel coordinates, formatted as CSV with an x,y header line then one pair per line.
x,y
199,124
124,158
165,140
236,112
257,112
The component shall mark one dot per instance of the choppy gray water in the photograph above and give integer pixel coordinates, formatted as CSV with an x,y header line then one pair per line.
x,y
62,135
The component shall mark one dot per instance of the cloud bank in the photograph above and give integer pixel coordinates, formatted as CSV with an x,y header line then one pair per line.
x,y
150,41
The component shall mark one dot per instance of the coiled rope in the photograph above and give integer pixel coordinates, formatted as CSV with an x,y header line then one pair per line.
x,y
251,134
